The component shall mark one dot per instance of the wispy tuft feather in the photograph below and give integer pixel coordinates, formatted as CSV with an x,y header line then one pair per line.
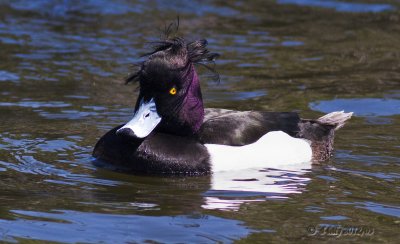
x,y
199,54
196,52
172,27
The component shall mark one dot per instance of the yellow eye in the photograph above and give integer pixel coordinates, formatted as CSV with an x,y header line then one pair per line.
x,y
172,91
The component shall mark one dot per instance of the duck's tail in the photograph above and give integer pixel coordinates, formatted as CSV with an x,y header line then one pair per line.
x,y
337,119
321,132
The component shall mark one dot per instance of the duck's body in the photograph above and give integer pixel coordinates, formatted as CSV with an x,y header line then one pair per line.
x,y
172,133
228,140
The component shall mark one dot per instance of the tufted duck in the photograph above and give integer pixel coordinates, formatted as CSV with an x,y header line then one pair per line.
x,y
172,133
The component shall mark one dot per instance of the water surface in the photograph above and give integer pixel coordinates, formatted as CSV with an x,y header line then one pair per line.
x,y
61,85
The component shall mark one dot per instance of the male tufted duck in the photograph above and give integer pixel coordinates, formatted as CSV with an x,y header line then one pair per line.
x,y
172,133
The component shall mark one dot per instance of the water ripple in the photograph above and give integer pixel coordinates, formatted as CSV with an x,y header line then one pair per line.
x,y
36,104
73,226
23,150
8,76
380,208
360,106
385,209
342,6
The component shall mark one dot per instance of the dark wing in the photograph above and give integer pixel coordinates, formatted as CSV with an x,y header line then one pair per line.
x,y
238,128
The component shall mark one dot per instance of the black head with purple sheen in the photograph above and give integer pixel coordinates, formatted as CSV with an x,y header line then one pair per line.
x,y
169,78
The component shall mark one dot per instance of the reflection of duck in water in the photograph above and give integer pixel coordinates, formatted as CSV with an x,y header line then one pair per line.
x,y
222,190
172,133
229,189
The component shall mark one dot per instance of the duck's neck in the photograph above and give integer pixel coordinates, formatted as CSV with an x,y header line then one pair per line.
x,y
193,109
188,120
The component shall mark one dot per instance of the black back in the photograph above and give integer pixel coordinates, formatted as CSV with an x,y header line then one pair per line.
x,y
238,128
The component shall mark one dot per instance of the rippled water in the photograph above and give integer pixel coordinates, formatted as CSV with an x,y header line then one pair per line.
x,y
61,86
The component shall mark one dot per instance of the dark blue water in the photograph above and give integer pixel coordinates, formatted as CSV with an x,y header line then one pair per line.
x,y
61,88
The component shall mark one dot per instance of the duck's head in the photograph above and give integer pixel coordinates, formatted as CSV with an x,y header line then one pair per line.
x,y
170,98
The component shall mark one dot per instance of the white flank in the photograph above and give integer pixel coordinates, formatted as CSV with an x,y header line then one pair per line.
x,y
273,150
